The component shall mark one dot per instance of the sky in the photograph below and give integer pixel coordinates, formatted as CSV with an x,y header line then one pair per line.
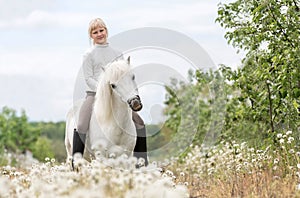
x,y
42,43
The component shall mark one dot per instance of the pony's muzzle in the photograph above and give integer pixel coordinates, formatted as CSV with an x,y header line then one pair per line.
x,y
135,103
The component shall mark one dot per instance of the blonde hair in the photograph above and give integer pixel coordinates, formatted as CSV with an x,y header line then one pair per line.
x,y
95,23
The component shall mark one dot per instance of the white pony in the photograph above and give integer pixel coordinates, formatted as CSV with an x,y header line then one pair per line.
x,y
111,129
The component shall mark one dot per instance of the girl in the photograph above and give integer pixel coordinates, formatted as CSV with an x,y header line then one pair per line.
x,y
100,55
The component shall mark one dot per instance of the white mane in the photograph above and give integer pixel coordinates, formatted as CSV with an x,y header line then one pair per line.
x,y
102,105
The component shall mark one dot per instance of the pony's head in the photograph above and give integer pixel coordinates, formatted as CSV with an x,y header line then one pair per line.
x,y
120,80
124,84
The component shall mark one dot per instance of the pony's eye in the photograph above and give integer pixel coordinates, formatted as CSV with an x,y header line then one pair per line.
x,y
133,77
113,85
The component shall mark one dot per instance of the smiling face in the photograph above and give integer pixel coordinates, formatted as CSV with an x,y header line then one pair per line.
x,y
99,35
98,31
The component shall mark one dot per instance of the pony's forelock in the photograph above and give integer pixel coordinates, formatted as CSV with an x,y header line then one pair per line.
x,y
115,70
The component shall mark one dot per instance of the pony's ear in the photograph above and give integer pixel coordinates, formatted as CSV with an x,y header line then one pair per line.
x,y
128,60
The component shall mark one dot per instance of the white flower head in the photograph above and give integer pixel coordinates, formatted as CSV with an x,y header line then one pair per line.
x,y
291,151
141,161
276,160
298,187
281,141
170,173
112,155
290,139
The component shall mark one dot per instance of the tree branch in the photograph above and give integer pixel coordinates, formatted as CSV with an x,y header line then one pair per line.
x,y
270,106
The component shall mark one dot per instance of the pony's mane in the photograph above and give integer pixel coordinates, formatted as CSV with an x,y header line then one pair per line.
x,y
113,72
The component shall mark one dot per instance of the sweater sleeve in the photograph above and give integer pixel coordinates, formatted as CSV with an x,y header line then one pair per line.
x,y
88,72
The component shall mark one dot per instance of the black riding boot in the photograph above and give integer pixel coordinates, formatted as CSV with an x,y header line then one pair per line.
x,y
78,144
140,149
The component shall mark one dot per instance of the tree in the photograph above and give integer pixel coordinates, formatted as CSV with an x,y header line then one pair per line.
x,y
196,109
42,149
261,97
16,134
269,80
54,133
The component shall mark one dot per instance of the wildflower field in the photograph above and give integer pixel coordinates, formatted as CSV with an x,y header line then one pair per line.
x,y
226,170
249,116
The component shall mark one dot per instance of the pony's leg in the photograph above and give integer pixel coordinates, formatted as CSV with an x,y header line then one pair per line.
x,y
68,145
68,137
68,149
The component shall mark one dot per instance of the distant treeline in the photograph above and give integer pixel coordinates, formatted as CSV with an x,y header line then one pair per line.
x,y
46,139
18,135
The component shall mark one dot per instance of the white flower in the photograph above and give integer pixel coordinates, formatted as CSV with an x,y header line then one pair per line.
x,y
290,139
298,166
164,175
279,135
298,187
236,145
170,173
288,133
141,162
112,155
281,141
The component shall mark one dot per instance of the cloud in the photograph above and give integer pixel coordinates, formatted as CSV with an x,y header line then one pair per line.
x,y
185,16
11,9
42,19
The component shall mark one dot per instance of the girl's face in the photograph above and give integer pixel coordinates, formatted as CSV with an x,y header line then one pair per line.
x,y
99,35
